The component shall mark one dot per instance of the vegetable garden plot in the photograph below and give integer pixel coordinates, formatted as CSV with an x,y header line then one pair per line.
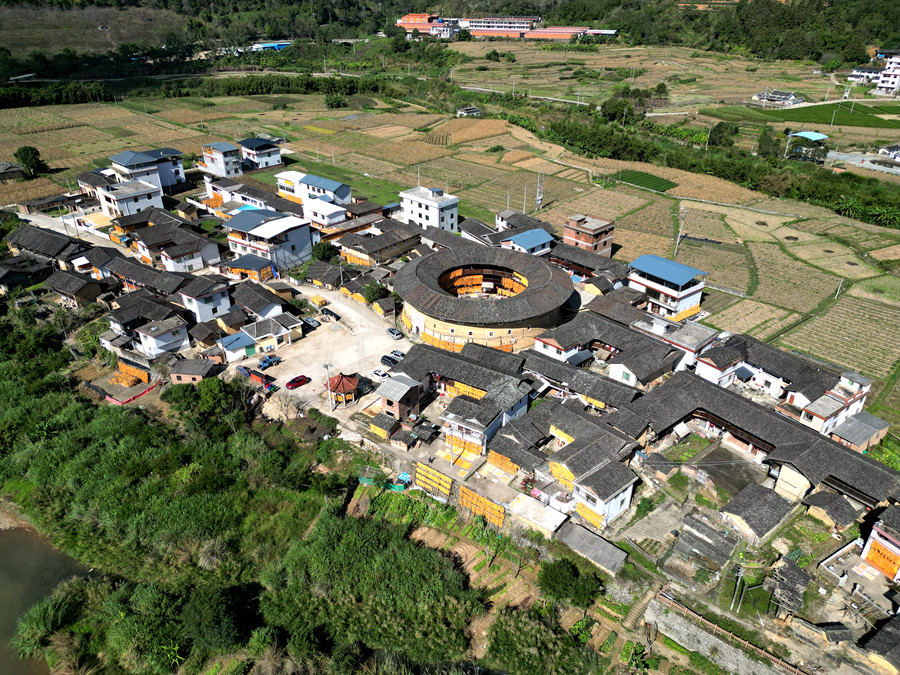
x,y
645,180
655,218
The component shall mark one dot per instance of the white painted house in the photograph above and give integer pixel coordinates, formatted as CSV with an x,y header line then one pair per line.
x,y
889,80
161,167
673,290
429,207
301,187
221,159
324,213
206,297
258,153
127,199
158,337
286,240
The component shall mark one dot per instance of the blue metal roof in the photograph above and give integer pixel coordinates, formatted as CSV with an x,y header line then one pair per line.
x,y
249,219
222,146
531,239
249,262
338,188
814,136
665,269
236,341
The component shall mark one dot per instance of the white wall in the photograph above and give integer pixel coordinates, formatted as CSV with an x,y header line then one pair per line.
x,y
208,307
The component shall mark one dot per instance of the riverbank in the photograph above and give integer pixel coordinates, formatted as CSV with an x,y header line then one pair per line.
x,y
11,519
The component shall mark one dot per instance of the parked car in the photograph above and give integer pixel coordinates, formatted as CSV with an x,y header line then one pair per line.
x,y
394,333
379,375
328,312
388,362
269,361
397,354
298,381
312,323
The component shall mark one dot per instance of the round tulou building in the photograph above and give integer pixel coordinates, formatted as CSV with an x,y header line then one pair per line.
x,y
492,296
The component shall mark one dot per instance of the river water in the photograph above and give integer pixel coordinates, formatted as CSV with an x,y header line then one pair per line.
x,y
29,569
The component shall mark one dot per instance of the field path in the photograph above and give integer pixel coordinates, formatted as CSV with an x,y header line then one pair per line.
x,y
554,151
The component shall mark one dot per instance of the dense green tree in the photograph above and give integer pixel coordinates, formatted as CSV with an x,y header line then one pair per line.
x,y
324,250
30,159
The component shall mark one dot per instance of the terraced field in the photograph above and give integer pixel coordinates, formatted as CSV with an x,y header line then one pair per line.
x,y
855,333
789,283
725,267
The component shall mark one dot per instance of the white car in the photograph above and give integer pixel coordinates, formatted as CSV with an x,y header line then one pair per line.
x,y
379,375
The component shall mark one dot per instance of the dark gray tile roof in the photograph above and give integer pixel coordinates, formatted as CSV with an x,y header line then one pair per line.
x,y
711,544
502,362
44,242
593,547
860,428
195,367
548,287
253,297
578,380
326,273
761,508
142,304
206,331
68,283
886,641
790,584
99,256
646,357
789,442
384,421
835,505
890,518
476,228
393,233
95,179
143,275
444,239
204,285
803,375
589,260
617,311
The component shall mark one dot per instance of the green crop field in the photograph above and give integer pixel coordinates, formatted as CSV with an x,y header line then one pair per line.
x,y
646,180
861,116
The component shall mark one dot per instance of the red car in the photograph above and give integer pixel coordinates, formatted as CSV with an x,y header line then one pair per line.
x,y
298,381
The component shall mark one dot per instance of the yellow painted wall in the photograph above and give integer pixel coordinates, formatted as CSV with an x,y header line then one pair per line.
x,y
502,462
600,405
477,504
265,344
505,338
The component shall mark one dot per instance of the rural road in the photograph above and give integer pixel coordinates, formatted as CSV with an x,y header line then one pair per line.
x,y
863,160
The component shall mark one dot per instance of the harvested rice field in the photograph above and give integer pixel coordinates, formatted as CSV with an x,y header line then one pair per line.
x,y
787,282
725,267
750,316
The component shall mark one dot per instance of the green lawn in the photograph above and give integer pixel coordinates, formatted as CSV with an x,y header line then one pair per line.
x,y
646,180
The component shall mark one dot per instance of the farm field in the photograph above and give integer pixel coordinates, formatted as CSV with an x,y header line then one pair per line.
x,y
726,267
755,318
645,180
655,218
845,114
855,333
787,282
694,78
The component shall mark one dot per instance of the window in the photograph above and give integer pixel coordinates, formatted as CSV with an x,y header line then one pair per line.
x,y
491,334
590,499
470,333
626,377
807,416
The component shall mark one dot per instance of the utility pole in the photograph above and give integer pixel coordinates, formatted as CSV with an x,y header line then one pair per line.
x,y
539,193
826,94
682,214
833,114
324,66
707,137
524,197
332,154
418,176
507,200
326,366
840,286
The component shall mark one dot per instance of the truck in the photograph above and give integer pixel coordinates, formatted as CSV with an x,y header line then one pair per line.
x,y
266,382
269,361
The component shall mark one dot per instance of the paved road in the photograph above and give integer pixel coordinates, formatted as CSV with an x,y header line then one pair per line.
x,y
863,160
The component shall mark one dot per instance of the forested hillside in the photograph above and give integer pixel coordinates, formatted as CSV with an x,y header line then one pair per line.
x,y
765,28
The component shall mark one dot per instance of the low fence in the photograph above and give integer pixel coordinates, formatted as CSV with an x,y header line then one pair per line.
x,y
670,603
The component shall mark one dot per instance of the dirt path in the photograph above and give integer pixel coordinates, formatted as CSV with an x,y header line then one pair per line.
x,y
553,151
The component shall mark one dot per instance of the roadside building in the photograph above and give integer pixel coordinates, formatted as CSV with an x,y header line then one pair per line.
x,y
882,548
400,396
10,172
127,199
343,389
258,301
161,167
271,334
191,371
